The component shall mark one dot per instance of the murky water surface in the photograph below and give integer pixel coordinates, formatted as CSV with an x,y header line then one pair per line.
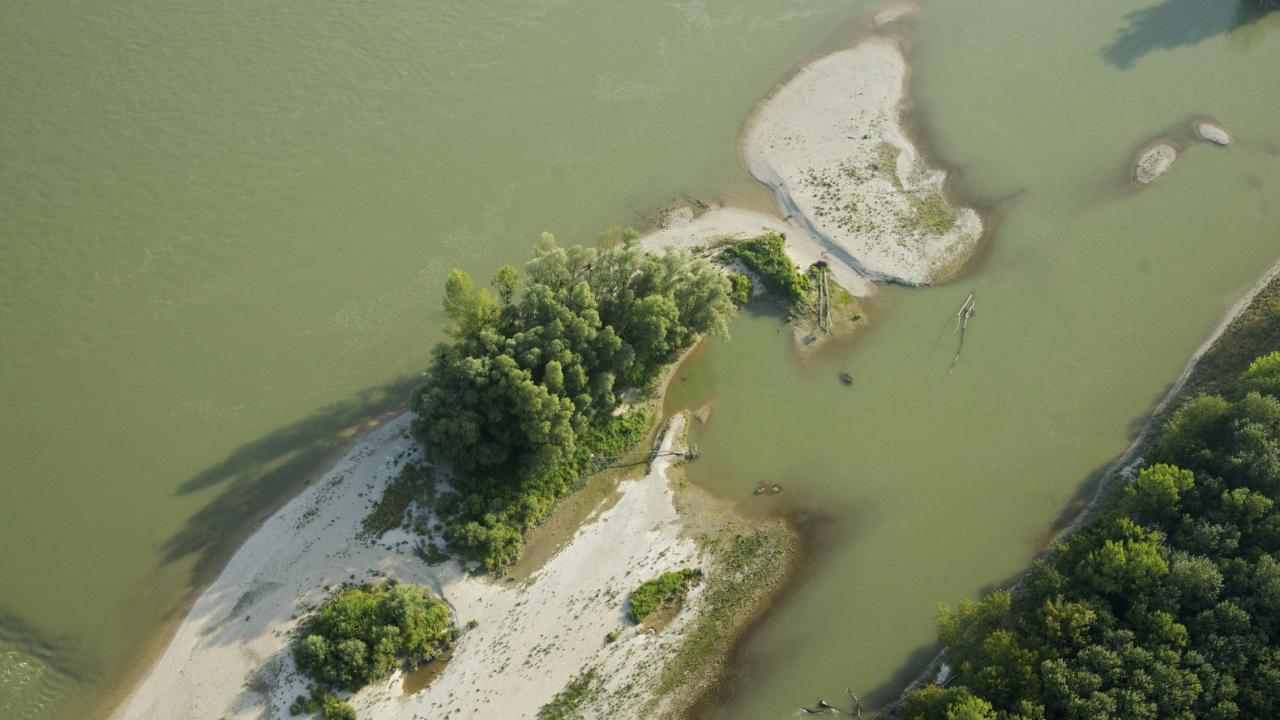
x,y
224,229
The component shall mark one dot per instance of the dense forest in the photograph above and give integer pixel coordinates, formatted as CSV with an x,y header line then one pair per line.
x,y
1166,604
525,395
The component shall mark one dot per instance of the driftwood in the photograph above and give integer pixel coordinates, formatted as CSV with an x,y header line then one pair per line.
x,y
963,315
825,708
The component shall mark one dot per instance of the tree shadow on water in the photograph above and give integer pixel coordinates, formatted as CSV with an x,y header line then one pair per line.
x,y
259,477
1172,24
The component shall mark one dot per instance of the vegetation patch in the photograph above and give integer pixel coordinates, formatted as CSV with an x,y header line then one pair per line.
x,y
746,565
663,591
1164,605
933,213
519,403
766,257
364,633
740,289
569,703
1253,333
415,482
325,705
887,162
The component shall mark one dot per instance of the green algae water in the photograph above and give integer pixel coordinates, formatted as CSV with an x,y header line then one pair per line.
x,y
224,229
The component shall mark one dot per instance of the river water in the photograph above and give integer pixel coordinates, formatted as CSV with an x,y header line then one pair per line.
x,y
224,230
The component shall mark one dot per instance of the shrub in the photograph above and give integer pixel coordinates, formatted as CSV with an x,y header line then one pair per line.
x,y
766,257
326,704
739,289
663,590
568,702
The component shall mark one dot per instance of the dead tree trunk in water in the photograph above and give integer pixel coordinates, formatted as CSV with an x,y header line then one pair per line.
x,y
962,321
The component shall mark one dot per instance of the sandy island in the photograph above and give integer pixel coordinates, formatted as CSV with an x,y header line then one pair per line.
x,y
830,144
853,187
855,193
231,657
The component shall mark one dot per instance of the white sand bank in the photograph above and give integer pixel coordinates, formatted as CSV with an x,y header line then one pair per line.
x,y
230,656
830,144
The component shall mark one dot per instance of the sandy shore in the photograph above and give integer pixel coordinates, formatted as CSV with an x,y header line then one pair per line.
x,y
830,144
230,655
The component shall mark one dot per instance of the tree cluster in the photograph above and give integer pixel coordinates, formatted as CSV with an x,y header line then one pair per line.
x,y
1166,605
522,396
363,634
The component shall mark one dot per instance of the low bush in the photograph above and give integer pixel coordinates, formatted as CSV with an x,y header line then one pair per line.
x,y
326,704
766,257
665,589
739,289
568,703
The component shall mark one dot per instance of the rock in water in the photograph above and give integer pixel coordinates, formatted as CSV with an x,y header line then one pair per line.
x,y
1212,132
1154,162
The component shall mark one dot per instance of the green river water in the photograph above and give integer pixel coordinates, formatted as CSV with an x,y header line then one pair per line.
x,y
224,229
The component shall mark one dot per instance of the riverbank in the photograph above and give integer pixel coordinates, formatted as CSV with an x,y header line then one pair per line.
x,y
1229,337
1126,465
230,656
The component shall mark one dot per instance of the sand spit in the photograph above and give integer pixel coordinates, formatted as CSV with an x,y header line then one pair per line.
x,y
831,146
230,656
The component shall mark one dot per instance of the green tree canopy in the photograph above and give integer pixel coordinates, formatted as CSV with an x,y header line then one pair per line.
x,y
524,392
363,633
1165,605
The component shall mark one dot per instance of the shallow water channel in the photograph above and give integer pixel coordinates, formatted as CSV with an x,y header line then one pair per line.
x,y
224,229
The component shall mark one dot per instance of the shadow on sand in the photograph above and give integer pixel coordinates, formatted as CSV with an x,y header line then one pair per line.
x,y
1172,24
261,476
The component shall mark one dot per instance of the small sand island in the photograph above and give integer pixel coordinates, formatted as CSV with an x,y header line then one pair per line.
x,y
892,13
830,144
1154,161
633,610
1212,132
